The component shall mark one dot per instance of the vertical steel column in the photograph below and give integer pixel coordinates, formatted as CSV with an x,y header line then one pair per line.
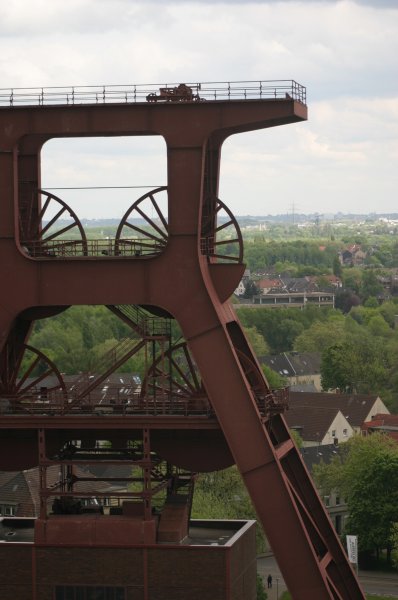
x,y
147,491
42,473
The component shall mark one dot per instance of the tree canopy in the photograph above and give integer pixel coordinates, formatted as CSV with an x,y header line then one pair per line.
x,y
365,472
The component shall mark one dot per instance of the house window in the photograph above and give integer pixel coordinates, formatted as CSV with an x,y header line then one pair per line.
x,y
8,510
327,500
81,592
337,500
333,433
345,432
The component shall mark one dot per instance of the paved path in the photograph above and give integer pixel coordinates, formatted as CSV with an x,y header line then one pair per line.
x,y
268,566
373,582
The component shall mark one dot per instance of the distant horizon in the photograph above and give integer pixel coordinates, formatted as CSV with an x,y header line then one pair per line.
x,y
282,216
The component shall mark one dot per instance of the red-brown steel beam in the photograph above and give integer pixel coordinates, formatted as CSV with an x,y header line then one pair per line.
x,y
180,281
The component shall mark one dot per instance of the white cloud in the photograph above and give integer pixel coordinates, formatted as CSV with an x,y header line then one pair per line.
x,y
342,159
344,51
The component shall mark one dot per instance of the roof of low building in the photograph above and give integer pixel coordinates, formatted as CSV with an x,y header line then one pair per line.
x,y
387,424
312,425
303,387
315,455
355,407
294,364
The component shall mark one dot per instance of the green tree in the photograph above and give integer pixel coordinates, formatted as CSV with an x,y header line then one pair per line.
x,y
358,364
370,285
378,327
366,474
275,381
257,341
297,438
352,279
338,367
250,290
345,300
321,335
371,302
223,495
261,593
337,268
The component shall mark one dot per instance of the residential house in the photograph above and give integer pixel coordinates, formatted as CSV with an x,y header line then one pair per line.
x,y
356,408
240,290
293,292
300,284
318,427
333,282
353,256
382,423
297,367
333,501
19,490
265,285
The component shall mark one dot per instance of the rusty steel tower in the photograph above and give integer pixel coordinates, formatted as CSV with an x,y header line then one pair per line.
x,y
204,403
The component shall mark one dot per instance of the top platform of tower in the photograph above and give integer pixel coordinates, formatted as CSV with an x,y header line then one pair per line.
x,y
165,93
185,114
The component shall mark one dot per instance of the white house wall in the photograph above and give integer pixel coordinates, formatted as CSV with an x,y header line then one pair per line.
x,y
339,430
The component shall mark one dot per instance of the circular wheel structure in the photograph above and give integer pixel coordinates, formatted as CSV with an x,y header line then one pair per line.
x,y
147,219
174,377
44,235
38,382
221,236
221,239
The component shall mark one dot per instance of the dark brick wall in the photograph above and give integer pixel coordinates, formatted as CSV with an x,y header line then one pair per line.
x,y
197,573
90,566
15,572
173,573
243,565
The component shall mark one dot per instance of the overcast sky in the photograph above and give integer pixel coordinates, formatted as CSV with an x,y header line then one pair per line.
x,y
345,158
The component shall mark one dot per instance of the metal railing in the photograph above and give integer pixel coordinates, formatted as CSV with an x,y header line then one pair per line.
x,y
124,400
146,324
116,401
130,93
60,248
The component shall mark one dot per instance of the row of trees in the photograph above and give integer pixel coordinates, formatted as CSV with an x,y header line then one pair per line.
x,y
305,250
296,256
76,339
359,350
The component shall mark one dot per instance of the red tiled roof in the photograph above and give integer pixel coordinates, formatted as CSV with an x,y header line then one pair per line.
x,y
268,283
380,420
